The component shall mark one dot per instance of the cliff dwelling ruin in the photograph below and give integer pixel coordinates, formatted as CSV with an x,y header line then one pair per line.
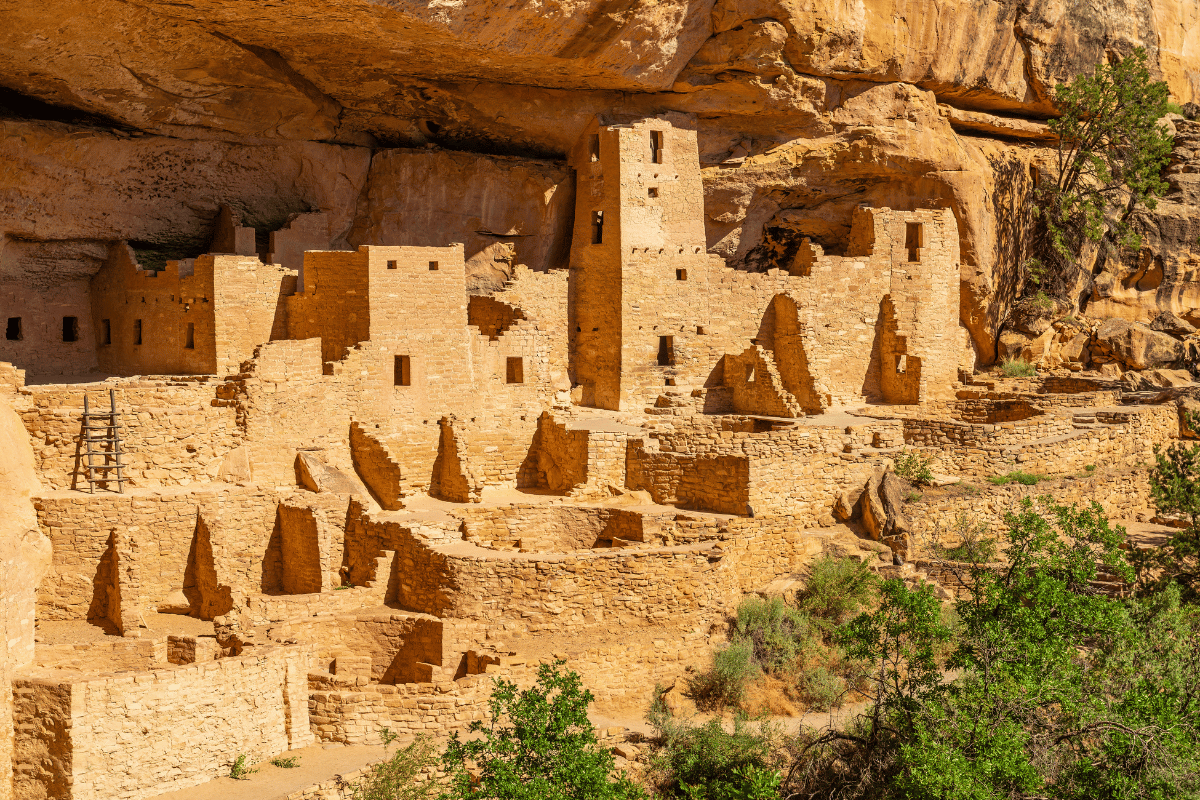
x,y
338,470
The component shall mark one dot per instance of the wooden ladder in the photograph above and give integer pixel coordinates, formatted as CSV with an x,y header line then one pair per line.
x,y
101,436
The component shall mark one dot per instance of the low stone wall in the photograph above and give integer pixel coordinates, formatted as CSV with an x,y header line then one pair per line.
x,y
135,736
1121,493
114,654
159,527
173,434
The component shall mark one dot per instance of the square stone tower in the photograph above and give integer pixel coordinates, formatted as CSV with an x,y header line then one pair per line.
x,y
638,259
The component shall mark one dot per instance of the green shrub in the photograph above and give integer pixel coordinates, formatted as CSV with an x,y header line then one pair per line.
x,y
777,633
837,589
398,777
822,690
707,761
977,551
724,683
1017,368
286,762
538,743
241,770
914,468
1017,476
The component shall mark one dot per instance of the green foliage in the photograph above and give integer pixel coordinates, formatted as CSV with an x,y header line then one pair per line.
x,y
912,497
1017,476
1111,156
1057,691
837,589
286,762
724,683
822,689
537,744
1175,487
914,468
241,769
776,633
977,550
398,777
709,762
1017,368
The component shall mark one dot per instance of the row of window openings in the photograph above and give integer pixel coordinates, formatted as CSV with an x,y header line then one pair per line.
x,y
514,370
13,331
433,265
656,148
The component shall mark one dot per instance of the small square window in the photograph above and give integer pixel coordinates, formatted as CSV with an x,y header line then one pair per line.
x,y
402,371
700,331
652,191
12,331
515,370
70,329
681,274
137,331
105,332
190,344
391,264
433,265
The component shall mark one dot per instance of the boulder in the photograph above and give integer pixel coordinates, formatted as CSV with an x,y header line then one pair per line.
x,y
315,475
1172,324
1136,345
882,507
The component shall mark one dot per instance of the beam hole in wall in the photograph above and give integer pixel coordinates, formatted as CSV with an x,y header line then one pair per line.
x,y
12,331
105,331
515,370
70,329
402,371
391,264
190,344
666,351
681,274
433,266
652,191
137,331
656,147
597,227
912,241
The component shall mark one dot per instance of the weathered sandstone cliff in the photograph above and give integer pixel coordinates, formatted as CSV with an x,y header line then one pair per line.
x,y
135,119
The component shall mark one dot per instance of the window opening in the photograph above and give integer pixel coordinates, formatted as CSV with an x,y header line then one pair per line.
x,y
105,332
749,373
70,329
391,265
656,147
191,336
12,331
515,370
403,371
700,330
597,227
666,351
912,240
901,364
137,331
594,146
681,274
433,265
652,191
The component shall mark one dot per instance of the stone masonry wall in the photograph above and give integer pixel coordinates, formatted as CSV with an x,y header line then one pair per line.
x,y
103,736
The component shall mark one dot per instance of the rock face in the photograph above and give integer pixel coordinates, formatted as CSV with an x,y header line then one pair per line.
x,y
134,119
1136,345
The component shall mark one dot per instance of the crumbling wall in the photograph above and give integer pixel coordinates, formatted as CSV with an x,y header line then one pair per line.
x,y
24,559
172,435
162,526
75,732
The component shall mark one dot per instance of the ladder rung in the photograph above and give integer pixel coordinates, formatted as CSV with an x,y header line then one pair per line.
x,y
99,467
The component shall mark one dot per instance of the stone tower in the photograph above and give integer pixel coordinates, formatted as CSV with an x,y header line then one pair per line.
x,y
638,259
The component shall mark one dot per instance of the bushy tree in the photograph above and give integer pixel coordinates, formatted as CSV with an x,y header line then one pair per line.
x,y
1111,155
537,744
1175,487
1051,689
